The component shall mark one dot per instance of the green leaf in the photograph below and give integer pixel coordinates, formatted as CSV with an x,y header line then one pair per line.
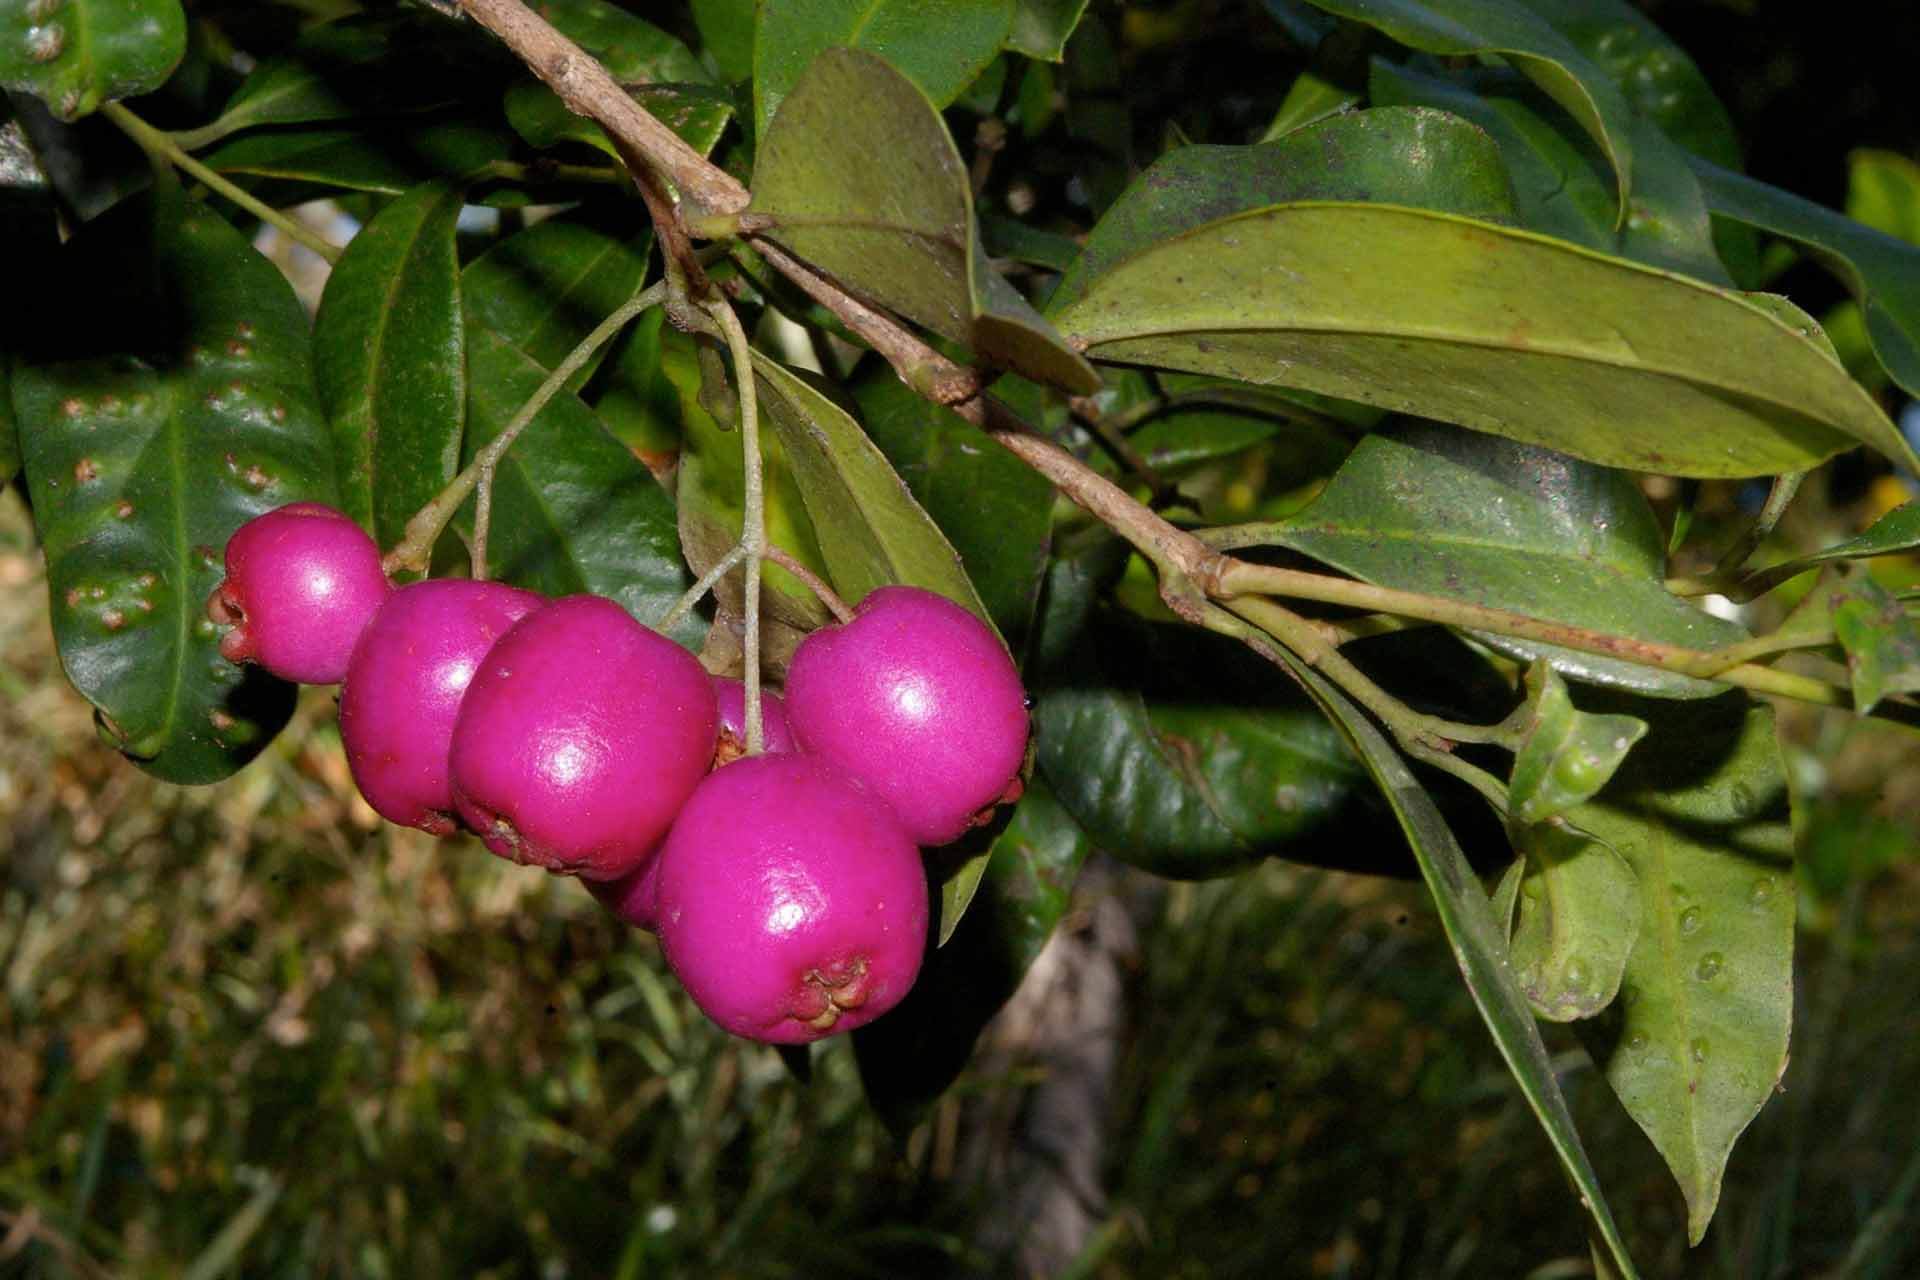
x,y
1883,192
1895,533
997,511
1500,330
1698,1039
871,532
726,35
164,396
1392,155
1567,754
391,360
573,509
710,490
1178,758
902,232
74,55
910,1057
1459,28
550,285
380,65
1041,27
661,73
1478,944
1578,913
1882,273
1310,99
1561,183
386,158
1426,508
939,46
1880,641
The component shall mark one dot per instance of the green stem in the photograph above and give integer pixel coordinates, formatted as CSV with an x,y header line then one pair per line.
x,y
416,547
482,521
694,594
1779,497
159,143
753,530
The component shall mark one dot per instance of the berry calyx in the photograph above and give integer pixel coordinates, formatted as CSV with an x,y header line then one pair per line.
x,y
788,901
731,696
580,736
918,700
404,686
302,582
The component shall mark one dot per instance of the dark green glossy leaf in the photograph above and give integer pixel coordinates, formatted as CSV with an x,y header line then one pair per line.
x,y
1698,1038
549,286
902,232
871,531
660,71
1657,76
995,510
1577,914
1882,273
1041,28
164,396
390,356
379,65
385,158
1427,508
940,47
1180,755
1567,754
573,509
74,55
726,35
1879,639
1560,180
1479,945
910,1057
1457,28
1501,330
1393,155
1892,534
1016,241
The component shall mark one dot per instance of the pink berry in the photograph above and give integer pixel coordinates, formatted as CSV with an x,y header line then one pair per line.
x,y
917,699
631,898
302,582
731,695
579,738
404,686
789,902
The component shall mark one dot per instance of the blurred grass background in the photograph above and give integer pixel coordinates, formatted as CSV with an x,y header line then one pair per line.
x,y
250,1030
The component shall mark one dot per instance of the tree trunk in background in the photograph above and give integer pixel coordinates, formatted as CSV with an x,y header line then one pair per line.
x,y
1042,1149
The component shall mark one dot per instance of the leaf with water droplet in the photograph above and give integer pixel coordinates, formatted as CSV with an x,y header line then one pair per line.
x,y
1572,934
164,390
1715,967
1567,755
74,55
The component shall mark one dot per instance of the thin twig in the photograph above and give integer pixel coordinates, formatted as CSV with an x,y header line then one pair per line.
x,y
159,143
753,523
584,85
812,581
416,547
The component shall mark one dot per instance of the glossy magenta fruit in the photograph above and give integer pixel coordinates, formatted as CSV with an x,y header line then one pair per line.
x,y
580,736
789,902
731,696
404,686
302,582
631,898
917,699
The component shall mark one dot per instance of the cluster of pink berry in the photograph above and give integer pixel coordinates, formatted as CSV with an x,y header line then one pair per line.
x,y
786,888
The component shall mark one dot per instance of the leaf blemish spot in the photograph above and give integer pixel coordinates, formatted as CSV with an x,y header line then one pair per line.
x,y
85,471
44,44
